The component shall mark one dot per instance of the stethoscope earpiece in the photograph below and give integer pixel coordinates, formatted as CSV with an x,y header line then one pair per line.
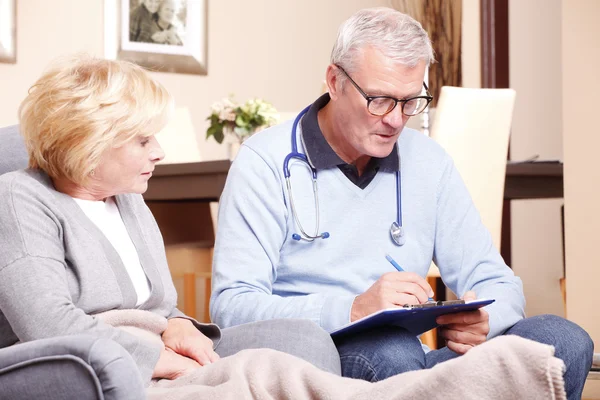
x,y
295,236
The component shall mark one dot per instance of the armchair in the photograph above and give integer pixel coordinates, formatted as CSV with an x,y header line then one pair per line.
x,y
69,367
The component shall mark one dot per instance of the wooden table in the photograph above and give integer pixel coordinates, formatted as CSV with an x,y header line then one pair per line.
x,y
199,181
179,197
204,181
530,180
191,185
538,180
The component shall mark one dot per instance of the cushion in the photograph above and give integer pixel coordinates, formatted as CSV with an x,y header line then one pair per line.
x,y
13,155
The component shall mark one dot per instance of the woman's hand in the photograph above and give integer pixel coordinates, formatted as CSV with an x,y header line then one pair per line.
x,y
185,339
172,365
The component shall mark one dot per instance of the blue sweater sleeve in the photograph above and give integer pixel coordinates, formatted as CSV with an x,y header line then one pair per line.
x,y
252,230
467,258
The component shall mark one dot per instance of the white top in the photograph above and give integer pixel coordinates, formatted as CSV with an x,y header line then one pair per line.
x,y
106,216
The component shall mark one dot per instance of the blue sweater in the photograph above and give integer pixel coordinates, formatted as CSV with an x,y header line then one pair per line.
x,y
260,272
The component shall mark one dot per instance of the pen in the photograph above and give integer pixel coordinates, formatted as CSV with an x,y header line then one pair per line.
x,y
399,268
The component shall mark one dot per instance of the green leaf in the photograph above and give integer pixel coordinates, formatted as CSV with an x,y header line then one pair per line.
x,y
210,131
219,136
216,131
241,121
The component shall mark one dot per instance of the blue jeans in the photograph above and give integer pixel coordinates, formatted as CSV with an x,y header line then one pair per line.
x,y
378,354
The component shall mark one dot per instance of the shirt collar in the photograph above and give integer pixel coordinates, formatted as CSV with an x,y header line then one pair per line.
x,y
320,153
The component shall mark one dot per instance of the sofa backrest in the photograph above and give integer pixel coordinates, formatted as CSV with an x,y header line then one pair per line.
x,y
13,155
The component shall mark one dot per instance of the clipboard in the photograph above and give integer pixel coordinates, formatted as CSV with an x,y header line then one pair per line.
x,y
415,319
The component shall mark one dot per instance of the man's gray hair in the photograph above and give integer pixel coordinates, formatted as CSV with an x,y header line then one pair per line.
x,y
399,36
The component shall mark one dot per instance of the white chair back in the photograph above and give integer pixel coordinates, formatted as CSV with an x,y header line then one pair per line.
x,y
473,126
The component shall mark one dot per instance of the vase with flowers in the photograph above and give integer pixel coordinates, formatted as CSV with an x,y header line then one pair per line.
x,y
239,121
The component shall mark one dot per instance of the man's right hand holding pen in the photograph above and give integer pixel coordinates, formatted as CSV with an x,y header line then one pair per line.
x,y
393,289
461,331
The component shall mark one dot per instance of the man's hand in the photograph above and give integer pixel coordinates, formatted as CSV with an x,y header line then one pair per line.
x,y
185,339
171,365
391,290
465,330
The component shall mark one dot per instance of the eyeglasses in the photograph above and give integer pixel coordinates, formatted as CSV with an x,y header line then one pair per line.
x,y
382,105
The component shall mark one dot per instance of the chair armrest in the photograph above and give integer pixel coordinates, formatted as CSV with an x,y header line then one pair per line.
x,y
69,367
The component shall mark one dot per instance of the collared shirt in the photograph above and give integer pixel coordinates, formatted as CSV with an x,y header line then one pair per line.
x,y
322,156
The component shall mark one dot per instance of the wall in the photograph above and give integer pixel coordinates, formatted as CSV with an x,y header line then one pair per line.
x,y
580,86
580,58
274,49
265,48
470,57
471,44
535,73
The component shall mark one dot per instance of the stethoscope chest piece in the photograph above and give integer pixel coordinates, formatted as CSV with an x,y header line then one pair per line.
x,y
397,234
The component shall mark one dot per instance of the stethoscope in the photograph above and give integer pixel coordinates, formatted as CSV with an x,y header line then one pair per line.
x,y
396,229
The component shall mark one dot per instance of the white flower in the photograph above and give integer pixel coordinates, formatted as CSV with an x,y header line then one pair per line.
x,y
242,121
224,105
228,102
227,114
216,108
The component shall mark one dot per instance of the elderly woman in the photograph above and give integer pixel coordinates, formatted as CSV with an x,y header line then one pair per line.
x,y
77,239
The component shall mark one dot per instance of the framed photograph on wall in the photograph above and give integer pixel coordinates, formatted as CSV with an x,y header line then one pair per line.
x,y
161,35
8,31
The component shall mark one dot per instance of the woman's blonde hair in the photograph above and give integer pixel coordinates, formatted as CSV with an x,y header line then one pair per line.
x,y
82,106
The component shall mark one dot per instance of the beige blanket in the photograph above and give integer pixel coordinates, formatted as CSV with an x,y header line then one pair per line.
x,y
506,367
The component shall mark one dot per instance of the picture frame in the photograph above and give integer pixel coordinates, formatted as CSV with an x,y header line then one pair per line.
x,y
8,31
164,36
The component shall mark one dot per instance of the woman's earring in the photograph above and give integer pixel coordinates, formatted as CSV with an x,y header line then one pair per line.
x,y
92,173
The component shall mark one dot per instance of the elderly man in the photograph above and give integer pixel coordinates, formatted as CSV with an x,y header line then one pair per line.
x,y
288,249
141,19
